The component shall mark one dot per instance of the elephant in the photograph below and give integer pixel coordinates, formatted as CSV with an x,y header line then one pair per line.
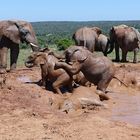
x,y
124,37
86,37
99,70
103,43
12,33
91,38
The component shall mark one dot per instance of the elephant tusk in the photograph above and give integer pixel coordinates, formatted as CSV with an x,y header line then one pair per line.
x,y
32,44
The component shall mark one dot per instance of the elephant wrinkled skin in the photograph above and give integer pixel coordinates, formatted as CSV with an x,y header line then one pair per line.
x,y
99,70
12,33
126,38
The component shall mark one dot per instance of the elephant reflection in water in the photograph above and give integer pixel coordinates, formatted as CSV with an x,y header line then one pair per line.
x,y
12,33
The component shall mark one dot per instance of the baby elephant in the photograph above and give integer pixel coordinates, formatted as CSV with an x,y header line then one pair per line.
x,y
47,62
99,70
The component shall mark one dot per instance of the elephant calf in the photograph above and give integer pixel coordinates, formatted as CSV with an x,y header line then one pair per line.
x,y
47,62
99,70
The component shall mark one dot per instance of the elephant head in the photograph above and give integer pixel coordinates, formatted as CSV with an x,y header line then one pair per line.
x,y
35,59
19,31
75,53
12,33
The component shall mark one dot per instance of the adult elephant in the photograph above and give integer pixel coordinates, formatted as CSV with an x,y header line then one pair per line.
x,y
126,38
91,38
12,33
86,37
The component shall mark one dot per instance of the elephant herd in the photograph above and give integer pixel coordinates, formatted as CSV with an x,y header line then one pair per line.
x,y
78,64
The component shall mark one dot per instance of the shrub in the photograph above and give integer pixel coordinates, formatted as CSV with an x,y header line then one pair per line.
x,y
63,44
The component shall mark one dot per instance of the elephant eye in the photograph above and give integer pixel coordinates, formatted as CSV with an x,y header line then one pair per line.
x,y
24,32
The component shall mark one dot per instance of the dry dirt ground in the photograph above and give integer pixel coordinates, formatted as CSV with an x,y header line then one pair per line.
x,y
29,112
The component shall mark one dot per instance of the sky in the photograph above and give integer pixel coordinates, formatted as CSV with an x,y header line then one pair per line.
x,y
70,10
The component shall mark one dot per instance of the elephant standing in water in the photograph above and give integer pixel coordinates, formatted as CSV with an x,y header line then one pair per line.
x,y
12,33
91,38
99,70
126,38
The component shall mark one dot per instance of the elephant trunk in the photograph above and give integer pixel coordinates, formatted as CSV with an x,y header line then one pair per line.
x,y
111,47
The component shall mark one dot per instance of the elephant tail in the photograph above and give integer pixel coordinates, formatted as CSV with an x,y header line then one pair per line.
x,y
120,81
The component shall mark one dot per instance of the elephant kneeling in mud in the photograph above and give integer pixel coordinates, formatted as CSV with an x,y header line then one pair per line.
x,y
99,70
47,62
12,33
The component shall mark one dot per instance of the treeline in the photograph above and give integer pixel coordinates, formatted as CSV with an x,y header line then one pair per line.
x,y
60,33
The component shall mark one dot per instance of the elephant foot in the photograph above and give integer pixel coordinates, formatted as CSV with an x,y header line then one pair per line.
x,y
12,70
116,60
124,61
134,61
2,71
102,95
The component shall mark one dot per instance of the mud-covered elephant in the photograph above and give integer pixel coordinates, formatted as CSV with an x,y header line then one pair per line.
x,y
59,78
46,61
12,33
127,38
99,70
86,37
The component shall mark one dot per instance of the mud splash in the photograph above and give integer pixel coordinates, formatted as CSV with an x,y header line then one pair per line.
x,y
127,108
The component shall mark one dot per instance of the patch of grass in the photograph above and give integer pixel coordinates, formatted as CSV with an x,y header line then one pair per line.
x,y
24,53
130,56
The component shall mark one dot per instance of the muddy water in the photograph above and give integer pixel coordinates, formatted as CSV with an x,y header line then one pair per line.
x,y
127,108
24,79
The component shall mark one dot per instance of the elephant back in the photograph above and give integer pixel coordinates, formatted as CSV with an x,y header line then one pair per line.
x,y
51,59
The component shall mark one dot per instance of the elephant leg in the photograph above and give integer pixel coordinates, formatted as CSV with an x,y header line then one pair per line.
x,y
14,50
71,69
124,55
117,53
3,59
61,80
135,55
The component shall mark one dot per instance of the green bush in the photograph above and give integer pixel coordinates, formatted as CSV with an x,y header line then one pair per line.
x,y
63,44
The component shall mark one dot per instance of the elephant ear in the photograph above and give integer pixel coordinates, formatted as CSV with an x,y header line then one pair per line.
x,y
12,33
80,55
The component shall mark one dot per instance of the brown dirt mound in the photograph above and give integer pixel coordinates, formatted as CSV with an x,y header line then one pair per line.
x,y
26,110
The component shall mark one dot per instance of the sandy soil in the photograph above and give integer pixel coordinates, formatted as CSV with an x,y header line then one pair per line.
x,y
27,113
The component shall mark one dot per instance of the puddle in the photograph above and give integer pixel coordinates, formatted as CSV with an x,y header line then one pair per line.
x,y
127,108
24,79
